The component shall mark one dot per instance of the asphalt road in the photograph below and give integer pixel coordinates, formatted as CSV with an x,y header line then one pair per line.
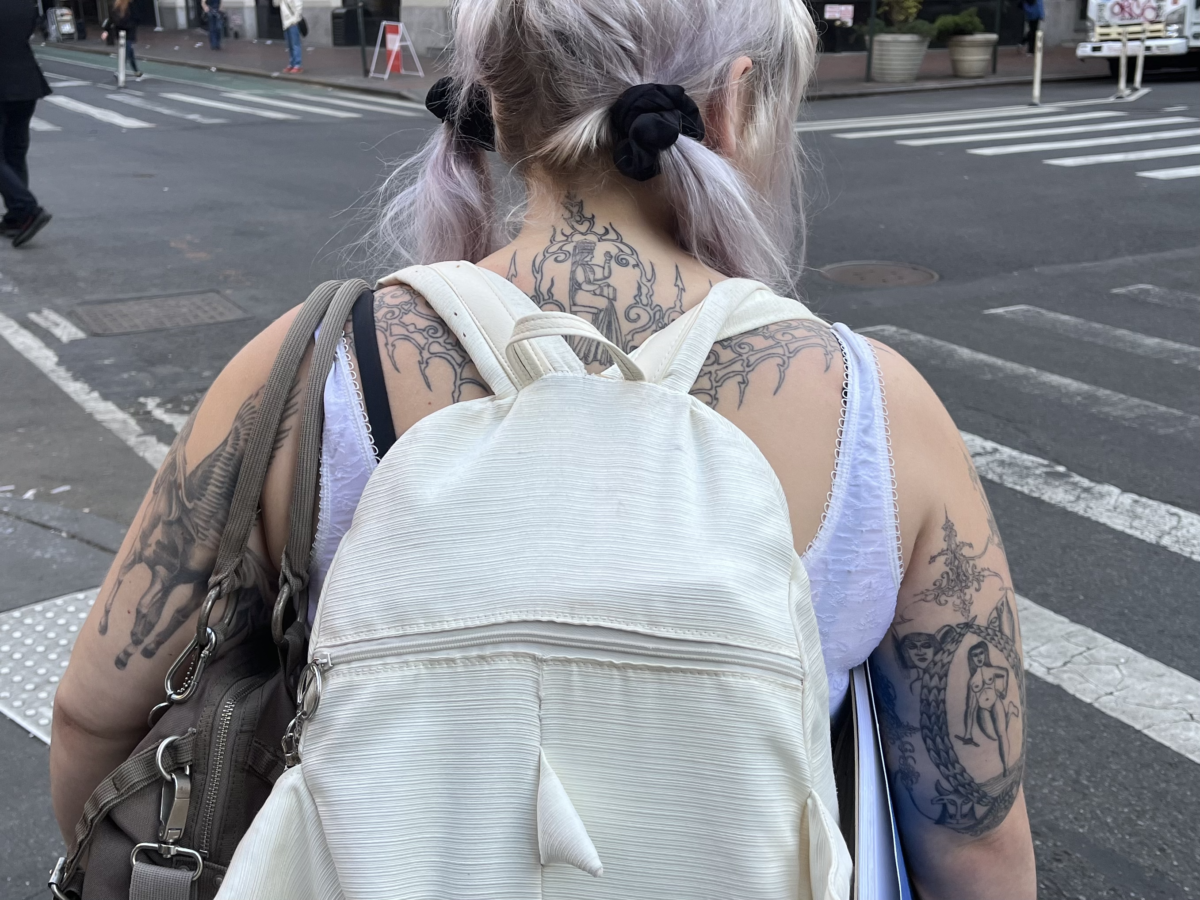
x,y
262,209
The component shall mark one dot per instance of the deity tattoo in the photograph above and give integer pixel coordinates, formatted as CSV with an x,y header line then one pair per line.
x,y
404,318
732,361
963,577
179,536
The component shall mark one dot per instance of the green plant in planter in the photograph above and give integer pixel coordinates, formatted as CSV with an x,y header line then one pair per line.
x,y
965,22
898,17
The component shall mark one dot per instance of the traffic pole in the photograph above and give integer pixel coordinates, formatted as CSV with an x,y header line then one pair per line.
x,y
1037,69
120,59
1122,67
871,37
1141,62
362,38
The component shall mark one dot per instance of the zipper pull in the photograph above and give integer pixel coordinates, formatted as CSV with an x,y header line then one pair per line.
x,y
322,660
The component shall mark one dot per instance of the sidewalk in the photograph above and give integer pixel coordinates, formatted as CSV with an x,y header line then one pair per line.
x,y
838,74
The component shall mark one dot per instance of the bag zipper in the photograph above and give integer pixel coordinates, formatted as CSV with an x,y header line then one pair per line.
x,y
213,780
596,639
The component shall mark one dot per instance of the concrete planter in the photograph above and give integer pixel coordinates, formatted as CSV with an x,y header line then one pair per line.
x,y
897,57
971,54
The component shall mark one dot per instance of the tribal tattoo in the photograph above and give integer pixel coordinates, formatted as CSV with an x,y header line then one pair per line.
x,y
962,577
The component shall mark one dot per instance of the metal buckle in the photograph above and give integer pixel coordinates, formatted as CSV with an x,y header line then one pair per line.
x,y
308,698
170,851
203,651
56,879
176,797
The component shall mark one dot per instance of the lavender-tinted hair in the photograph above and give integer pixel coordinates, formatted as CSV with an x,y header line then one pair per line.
x,y
553,68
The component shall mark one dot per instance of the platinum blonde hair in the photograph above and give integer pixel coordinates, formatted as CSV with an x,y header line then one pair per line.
x,y
553,69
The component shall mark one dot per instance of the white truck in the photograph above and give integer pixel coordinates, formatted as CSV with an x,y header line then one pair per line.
x,y
1170,29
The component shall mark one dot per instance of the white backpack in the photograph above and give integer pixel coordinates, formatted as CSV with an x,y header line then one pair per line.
x,y
567,649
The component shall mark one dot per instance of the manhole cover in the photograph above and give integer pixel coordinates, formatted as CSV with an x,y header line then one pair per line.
x,y
154,313
876,274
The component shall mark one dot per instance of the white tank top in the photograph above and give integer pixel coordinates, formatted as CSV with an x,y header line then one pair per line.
x,y
853,564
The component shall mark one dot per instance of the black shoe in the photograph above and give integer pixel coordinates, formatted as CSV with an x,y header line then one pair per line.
x,y
38,220
9,229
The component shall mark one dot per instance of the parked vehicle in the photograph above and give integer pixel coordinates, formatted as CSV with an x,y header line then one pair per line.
x,y
1170,29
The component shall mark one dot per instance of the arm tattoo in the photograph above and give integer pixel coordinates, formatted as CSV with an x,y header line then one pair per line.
x,y
962,576
402,317
180,533
993,531
732,361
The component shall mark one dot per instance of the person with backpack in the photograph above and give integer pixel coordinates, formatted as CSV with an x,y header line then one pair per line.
x,y
291,13
123,17
22,84
540,622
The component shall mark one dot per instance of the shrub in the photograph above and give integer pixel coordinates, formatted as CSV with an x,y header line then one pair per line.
x,y
966,22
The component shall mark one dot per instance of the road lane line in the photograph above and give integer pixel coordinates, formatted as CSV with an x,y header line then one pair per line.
x,y
230,107
354,104
287,104
143,103
388,101
1152,521
995,112
1046,132
1130,156
975,126
59,326
36,124
1086,142
1172,174
1159,296
1104,335
97,112
154,406
1111,405
1160,702
107,414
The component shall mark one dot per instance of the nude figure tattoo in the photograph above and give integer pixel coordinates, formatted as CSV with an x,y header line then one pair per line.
x,y
179,535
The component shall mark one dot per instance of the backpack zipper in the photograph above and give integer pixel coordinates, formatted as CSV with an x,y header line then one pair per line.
x,y
596,639
213,780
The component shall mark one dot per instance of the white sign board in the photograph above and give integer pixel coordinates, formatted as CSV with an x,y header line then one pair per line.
x,y
841,13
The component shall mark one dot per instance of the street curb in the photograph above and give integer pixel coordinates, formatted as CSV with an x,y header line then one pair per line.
x,y
818,94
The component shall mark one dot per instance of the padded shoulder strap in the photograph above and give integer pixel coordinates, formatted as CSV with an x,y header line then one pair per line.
x,y
481,308
674,356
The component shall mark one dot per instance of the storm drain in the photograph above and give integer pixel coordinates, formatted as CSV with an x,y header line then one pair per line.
x,y
156,313
876,274
35,644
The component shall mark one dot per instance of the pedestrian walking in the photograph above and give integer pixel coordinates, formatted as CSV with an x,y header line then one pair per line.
x,y
21,86
123,17
1035,12
625,518
216,21
294,28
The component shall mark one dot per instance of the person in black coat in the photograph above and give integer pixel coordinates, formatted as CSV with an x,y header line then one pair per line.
x,y
21,86
123,18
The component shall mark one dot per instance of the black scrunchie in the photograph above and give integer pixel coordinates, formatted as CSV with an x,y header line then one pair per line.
x,y
647,119
472,121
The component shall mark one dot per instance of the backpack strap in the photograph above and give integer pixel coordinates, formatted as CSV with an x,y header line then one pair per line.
x,y
674,356
481,309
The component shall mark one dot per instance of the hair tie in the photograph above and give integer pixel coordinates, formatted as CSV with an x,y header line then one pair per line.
x,y
646,120
472,120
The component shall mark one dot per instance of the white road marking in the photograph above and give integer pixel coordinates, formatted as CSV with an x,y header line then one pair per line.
x,y
1046,132
1172,174
155,408
107,414
1147,520
355,104
97,112
230,107
995,112
388,101
1104,335
1160,702
975,126
1086,142
1131,156
142,103
1159,296
36,124
67,82
59,326
1111,405
287,104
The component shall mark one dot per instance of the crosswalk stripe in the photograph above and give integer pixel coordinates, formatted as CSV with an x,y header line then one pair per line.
x,y
97,112
1104,335
143,103
57,324
1046,132
354,104
1172,174
390,101
36,124
287,104
231,107
995,112
1147,520
1099,401
1085,142
1128,156
975,126
1160,296
70,82
1161,702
